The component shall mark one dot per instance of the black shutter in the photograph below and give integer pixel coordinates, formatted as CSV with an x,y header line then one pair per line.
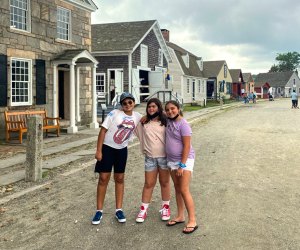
x,y
40,72
3,80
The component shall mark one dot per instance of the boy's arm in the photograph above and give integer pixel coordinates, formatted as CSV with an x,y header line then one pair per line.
x,y
98,154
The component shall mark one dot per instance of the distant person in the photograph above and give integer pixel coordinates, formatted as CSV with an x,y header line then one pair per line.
x,y
254,97
152,136
294,98
111,152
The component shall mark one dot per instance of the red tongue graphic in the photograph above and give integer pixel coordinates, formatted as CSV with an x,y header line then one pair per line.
x,y
124,131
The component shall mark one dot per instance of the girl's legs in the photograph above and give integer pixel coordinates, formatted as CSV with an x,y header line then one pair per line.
x,y
179,200
184,183
164,181
150,181
101,189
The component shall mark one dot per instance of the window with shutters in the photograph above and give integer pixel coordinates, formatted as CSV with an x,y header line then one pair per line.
x,y
21,82
63,23
20,14
144,55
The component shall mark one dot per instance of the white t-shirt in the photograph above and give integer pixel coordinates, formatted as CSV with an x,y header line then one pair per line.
x,y
119,128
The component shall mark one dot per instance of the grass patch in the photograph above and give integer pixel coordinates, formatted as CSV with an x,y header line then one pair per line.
x,y
209,103
45,174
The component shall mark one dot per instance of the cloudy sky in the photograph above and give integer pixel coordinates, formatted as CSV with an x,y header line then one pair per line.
x,y
248,34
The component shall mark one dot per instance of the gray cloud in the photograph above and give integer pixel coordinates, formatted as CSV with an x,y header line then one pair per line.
x,y
258,29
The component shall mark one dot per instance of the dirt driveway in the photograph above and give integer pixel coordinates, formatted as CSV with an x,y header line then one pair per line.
x,y
246,186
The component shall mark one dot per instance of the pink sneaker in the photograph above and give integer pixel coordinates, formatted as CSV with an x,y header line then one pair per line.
x,y
142,215
165,212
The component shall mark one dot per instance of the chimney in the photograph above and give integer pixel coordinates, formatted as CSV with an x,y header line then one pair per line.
x,y
166,34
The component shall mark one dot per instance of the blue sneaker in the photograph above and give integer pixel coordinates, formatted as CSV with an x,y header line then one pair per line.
x,y
97,218
120,216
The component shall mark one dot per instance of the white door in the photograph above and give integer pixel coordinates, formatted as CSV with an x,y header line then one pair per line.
x,y
119,82
156,81
135,88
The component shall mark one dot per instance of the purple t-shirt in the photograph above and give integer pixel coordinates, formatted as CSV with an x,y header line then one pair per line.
x,y
174,146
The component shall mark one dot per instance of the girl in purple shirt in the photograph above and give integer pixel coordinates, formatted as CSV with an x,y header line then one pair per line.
x,y
180,157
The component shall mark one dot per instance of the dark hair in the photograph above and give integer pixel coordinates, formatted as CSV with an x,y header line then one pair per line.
x,y
161,115
175,103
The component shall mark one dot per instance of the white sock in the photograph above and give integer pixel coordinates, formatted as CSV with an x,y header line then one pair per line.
x,y
145,205
118,209
165,203
99,211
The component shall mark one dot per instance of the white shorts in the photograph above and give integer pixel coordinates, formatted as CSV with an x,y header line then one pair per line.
x,y
175,165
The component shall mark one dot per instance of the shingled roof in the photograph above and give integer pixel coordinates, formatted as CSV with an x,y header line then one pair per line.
x,y
212,68
119,36
236,74
275,79
193,69
247,77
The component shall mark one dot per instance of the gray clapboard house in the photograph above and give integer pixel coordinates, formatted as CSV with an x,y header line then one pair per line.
x,y
281,83
133,57
186,75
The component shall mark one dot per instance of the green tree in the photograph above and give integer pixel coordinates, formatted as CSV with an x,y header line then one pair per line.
x,y
286,62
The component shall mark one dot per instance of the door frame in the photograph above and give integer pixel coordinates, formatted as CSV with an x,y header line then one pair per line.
x,y
108,81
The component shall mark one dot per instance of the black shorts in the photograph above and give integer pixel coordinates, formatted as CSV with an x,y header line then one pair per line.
x,y
112,157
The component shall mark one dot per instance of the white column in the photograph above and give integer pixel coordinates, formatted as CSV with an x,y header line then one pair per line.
x,y
73,128
55,96
78,118
94,123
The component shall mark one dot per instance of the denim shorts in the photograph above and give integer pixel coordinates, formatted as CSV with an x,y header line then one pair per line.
x,y
151,164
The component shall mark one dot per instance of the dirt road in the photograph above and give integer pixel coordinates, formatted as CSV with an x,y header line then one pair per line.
x,y
246,186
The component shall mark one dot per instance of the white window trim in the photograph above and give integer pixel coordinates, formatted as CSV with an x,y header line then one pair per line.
x,y
188,86
28,30
101,74
160,58
29,83
70,25
144,55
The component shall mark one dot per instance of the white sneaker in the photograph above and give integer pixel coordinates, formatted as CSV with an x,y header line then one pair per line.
x,y
142,215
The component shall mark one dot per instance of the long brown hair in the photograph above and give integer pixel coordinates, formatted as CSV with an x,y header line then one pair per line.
x,y
161,115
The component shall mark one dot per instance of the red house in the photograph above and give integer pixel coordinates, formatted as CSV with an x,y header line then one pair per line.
x,y
237,81
261,89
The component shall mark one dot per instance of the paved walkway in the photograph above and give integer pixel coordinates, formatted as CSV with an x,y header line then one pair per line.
x,y
12,168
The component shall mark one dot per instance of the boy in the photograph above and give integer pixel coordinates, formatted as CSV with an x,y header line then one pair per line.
x,y
111,151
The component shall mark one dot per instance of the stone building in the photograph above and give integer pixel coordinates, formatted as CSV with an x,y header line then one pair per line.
x,y
45,60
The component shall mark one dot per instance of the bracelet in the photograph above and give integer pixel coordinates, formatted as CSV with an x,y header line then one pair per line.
x,y
181,165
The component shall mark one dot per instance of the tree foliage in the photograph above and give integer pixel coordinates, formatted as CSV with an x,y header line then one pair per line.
x,y
286,62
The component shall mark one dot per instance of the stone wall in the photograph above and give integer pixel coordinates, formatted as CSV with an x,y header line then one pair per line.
x,y
41,43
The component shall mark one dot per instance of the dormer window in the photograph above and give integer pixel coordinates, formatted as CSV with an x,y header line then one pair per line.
x,y
225,71
186,60
63,24
20,14
144,55
200,63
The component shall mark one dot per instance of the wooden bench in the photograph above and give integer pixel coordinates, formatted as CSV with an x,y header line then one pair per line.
x,y
16,121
